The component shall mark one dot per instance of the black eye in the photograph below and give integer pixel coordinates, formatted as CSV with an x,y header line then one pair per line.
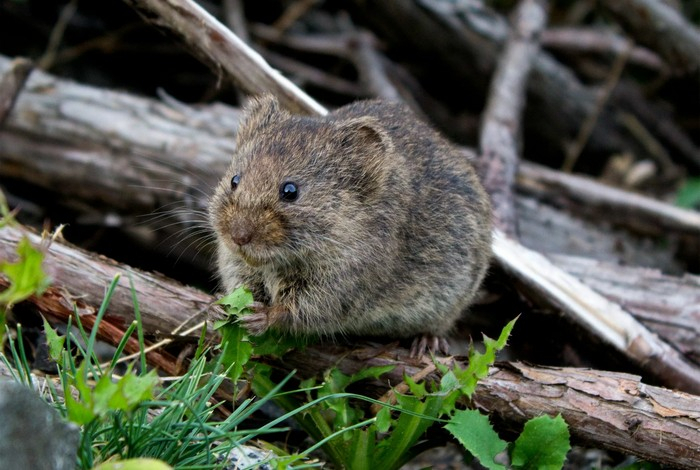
x,y
234,182
289,191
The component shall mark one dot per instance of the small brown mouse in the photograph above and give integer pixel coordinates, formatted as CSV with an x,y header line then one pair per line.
x,y
362,222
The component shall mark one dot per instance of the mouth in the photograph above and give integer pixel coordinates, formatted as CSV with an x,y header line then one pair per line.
x,y
253,260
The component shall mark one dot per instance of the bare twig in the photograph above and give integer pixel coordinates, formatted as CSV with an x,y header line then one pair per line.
x,y
500,134
67,12
225,52
574,149
575,39
296,10
235,18
662,28
638,211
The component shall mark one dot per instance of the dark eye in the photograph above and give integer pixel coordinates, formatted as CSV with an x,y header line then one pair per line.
x,y
289,191
234,182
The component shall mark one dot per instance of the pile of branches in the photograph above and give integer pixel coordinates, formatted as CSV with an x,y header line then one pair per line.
x,y
605,93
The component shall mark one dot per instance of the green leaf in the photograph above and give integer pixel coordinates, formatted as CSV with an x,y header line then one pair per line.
x,y
78,412
395,449
108,396
543,444
26,275
55,343
383,422
479,363
236,303
474,431
236,350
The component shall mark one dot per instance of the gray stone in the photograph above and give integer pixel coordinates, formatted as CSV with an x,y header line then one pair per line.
x,y
32,434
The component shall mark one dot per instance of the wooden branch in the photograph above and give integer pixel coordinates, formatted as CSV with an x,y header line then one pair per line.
x,y
453,35
99,157
579,39
82,278
221,49
11,83
500,133
643,213
653,423
662,28
646,293
602,318
608,410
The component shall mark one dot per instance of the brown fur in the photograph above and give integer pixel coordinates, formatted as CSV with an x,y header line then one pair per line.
x,y
390,234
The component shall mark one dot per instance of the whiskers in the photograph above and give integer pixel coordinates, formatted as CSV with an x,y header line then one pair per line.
x,y
182,223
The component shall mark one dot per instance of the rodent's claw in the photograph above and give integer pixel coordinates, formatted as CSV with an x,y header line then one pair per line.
x,y
257,322
429,343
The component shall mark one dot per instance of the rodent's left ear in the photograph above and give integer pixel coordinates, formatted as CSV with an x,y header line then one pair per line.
x,y
364,135
369,151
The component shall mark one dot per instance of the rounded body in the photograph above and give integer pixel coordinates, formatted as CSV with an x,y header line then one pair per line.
x,y
363,222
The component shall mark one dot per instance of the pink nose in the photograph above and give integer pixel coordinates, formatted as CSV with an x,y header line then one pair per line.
x,y
241,235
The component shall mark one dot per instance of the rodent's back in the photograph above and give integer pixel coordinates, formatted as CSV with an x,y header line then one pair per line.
x,y
446,243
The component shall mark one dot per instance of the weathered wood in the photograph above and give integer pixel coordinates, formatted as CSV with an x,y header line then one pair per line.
x,y
500,138
166,305
11,83
218,47
648,294
662,28
609,410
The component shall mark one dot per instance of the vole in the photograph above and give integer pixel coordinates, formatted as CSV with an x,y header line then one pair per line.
x,y
363,222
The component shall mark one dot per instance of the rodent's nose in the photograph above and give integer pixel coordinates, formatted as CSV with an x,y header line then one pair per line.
x,y
241,234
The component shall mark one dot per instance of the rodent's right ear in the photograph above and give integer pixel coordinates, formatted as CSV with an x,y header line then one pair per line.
x,y
258,113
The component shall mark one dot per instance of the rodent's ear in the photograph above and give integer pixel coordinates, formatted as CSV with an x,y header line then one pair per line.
x,y
258,113
369,143
364,135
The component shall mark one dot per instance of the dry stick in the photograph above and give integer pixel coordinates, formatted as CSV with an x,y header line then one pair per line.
x,y
235,18
47,60
500,134
662,28
601,317
219,48
290,16
577,39
11,83
648,214
86,276
370,67
574,149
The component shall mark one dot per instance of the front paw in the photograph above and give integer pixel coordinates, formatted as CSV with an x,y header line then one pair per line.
x,y
263,317
256,322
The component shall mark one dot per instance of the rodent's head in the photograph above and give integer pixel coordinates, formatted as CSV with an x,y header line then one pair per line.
x,y
299,186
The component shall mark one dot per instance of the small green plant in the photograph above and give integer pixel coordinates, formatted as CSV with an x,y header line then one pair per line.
x,y
388,440
134,421
26,276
